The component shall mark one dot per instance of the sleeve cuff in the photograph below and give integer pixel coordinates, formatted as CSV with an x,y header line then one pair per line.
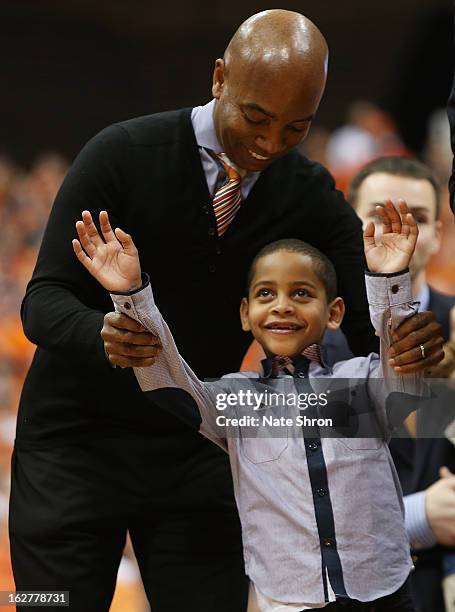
x,y
388,289
417,527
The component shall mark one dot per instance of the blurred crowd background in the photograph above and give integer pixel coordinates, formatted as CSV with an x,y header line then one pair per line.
x,y
398,96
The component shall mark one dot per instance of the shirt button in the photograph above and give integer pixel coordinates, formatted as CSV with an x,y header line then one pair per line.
x,y
127,306
211,231
313,446
327,543
301,374
395,288
212,268
205,209
322,492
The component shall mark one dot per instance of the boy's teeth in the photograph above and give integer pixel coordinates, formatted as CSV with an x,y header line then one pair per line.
x,y
257,156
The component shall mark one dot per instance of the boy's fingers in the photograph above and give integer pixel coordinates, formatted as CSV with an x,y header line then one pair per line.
x,y
368,234
85,239
91,228
394,217
105,226
80,253
386,223
126,241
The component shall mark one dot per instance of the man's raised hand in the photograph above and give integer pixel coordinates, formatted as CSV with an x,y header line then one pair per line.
x,y
112,259
399,236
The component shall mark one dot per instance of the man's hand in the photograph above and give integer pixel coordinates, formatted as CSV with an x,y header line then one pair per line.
x,y
127,343
114,261
393,252
406,353
440,507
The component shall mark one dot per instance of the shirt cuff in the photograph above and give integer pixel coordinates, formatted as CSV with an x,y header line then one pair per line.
x,y
419,531
388,289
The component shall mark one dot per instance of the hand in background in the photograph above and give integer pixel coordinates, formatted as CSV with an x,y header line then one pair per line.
x,y
396,247
440,507
112,259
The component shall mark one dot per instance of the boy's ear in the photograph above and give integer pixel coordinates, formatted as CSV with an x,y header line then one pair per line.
x,y
336,313
244,307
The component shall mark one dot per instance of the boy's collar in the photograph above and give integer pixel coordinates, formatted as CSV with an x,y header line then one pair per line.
x,y
272,367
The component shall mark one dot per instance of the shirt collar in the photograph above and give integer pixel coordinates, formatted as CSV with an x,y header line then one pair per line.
x,y
301,363
204,127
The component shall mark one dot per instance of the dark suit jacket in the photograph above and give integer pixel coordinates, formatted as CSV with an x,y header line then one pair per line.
x,y
147,174
417,463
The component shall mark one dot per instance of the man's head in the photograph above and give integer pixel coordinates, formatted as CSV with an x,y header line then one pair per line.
x,y
268,87
409,179
291,298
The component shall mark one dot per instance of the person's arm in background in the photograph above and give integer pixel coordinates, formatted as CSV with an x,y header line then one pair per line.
x,y
62,308
451,115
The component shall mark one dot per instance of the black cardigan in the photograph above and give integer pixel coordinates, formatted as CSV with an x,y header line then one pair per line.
x,y
147,174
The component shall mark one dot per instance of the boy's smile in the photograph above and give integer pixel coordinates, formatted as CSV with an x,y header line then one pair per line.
x,y
287,308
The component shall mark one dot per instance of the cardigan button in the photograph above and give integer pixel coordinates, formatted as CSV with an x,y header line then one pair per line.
x,y
211,231
212,268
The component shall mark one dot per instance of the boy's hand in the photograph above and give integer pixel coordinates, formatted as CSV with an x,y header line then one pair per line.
x,y
114,261
399,235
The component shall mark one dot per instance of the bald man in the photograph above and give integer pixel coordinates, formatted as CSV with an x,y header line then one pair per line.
x,y
201,190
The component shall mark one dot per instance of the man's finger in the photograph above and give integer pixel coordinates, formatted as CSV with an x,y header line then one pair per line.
x,y
122,321
131,362
423,364
417,353
131,350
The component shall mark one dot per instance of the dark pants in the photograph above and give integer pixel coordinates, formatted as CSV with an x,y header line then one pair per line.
x,y
400,601
71,508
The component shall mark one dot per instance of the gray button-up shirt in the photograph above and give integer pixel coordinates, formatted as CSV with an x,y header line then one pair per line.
x,y
312,508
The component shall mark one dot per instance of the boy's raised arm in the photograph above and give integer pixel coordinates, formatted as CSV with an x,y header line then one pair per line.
x,y
389,294
113,260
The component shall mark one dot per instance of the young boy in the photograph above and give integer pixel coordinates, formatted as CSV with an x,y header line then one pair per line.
x,y
322,517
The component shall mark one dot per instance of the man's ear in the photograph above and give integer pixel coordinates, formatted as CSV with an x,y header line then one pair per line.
x,y
218,78
437,237
336,313
244,308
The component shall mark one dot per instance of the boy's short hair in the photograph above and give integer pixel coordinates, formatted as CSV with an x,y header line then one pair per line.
x,y
395,165
323,267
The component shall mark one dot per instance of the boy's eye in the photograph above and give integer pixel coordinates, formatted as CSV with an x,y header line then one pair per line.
x,y
263,293
301,293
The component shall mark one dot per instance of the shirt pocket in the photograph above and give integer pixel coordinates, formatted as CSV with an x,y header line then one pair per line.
x,y
267,440
361,444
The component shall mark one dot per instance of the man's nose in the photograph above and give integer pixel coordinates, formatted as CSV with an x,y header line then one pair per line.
x,y
271,142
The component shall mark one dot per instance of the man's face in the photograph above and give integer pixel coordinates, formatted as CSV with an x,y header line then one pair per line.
x,y
260,113
421,199
287,309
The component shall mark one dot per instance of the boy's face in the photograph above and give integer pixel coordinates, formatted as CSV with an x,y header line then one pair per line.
x,y
286,309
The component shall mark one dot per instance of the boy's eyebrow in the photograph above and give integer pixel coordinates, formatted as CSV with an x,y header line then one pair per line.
x,y
297,282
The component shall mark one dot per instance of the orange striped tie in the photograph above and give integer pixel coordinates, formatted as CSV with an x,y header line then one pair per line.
x,y
227,199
